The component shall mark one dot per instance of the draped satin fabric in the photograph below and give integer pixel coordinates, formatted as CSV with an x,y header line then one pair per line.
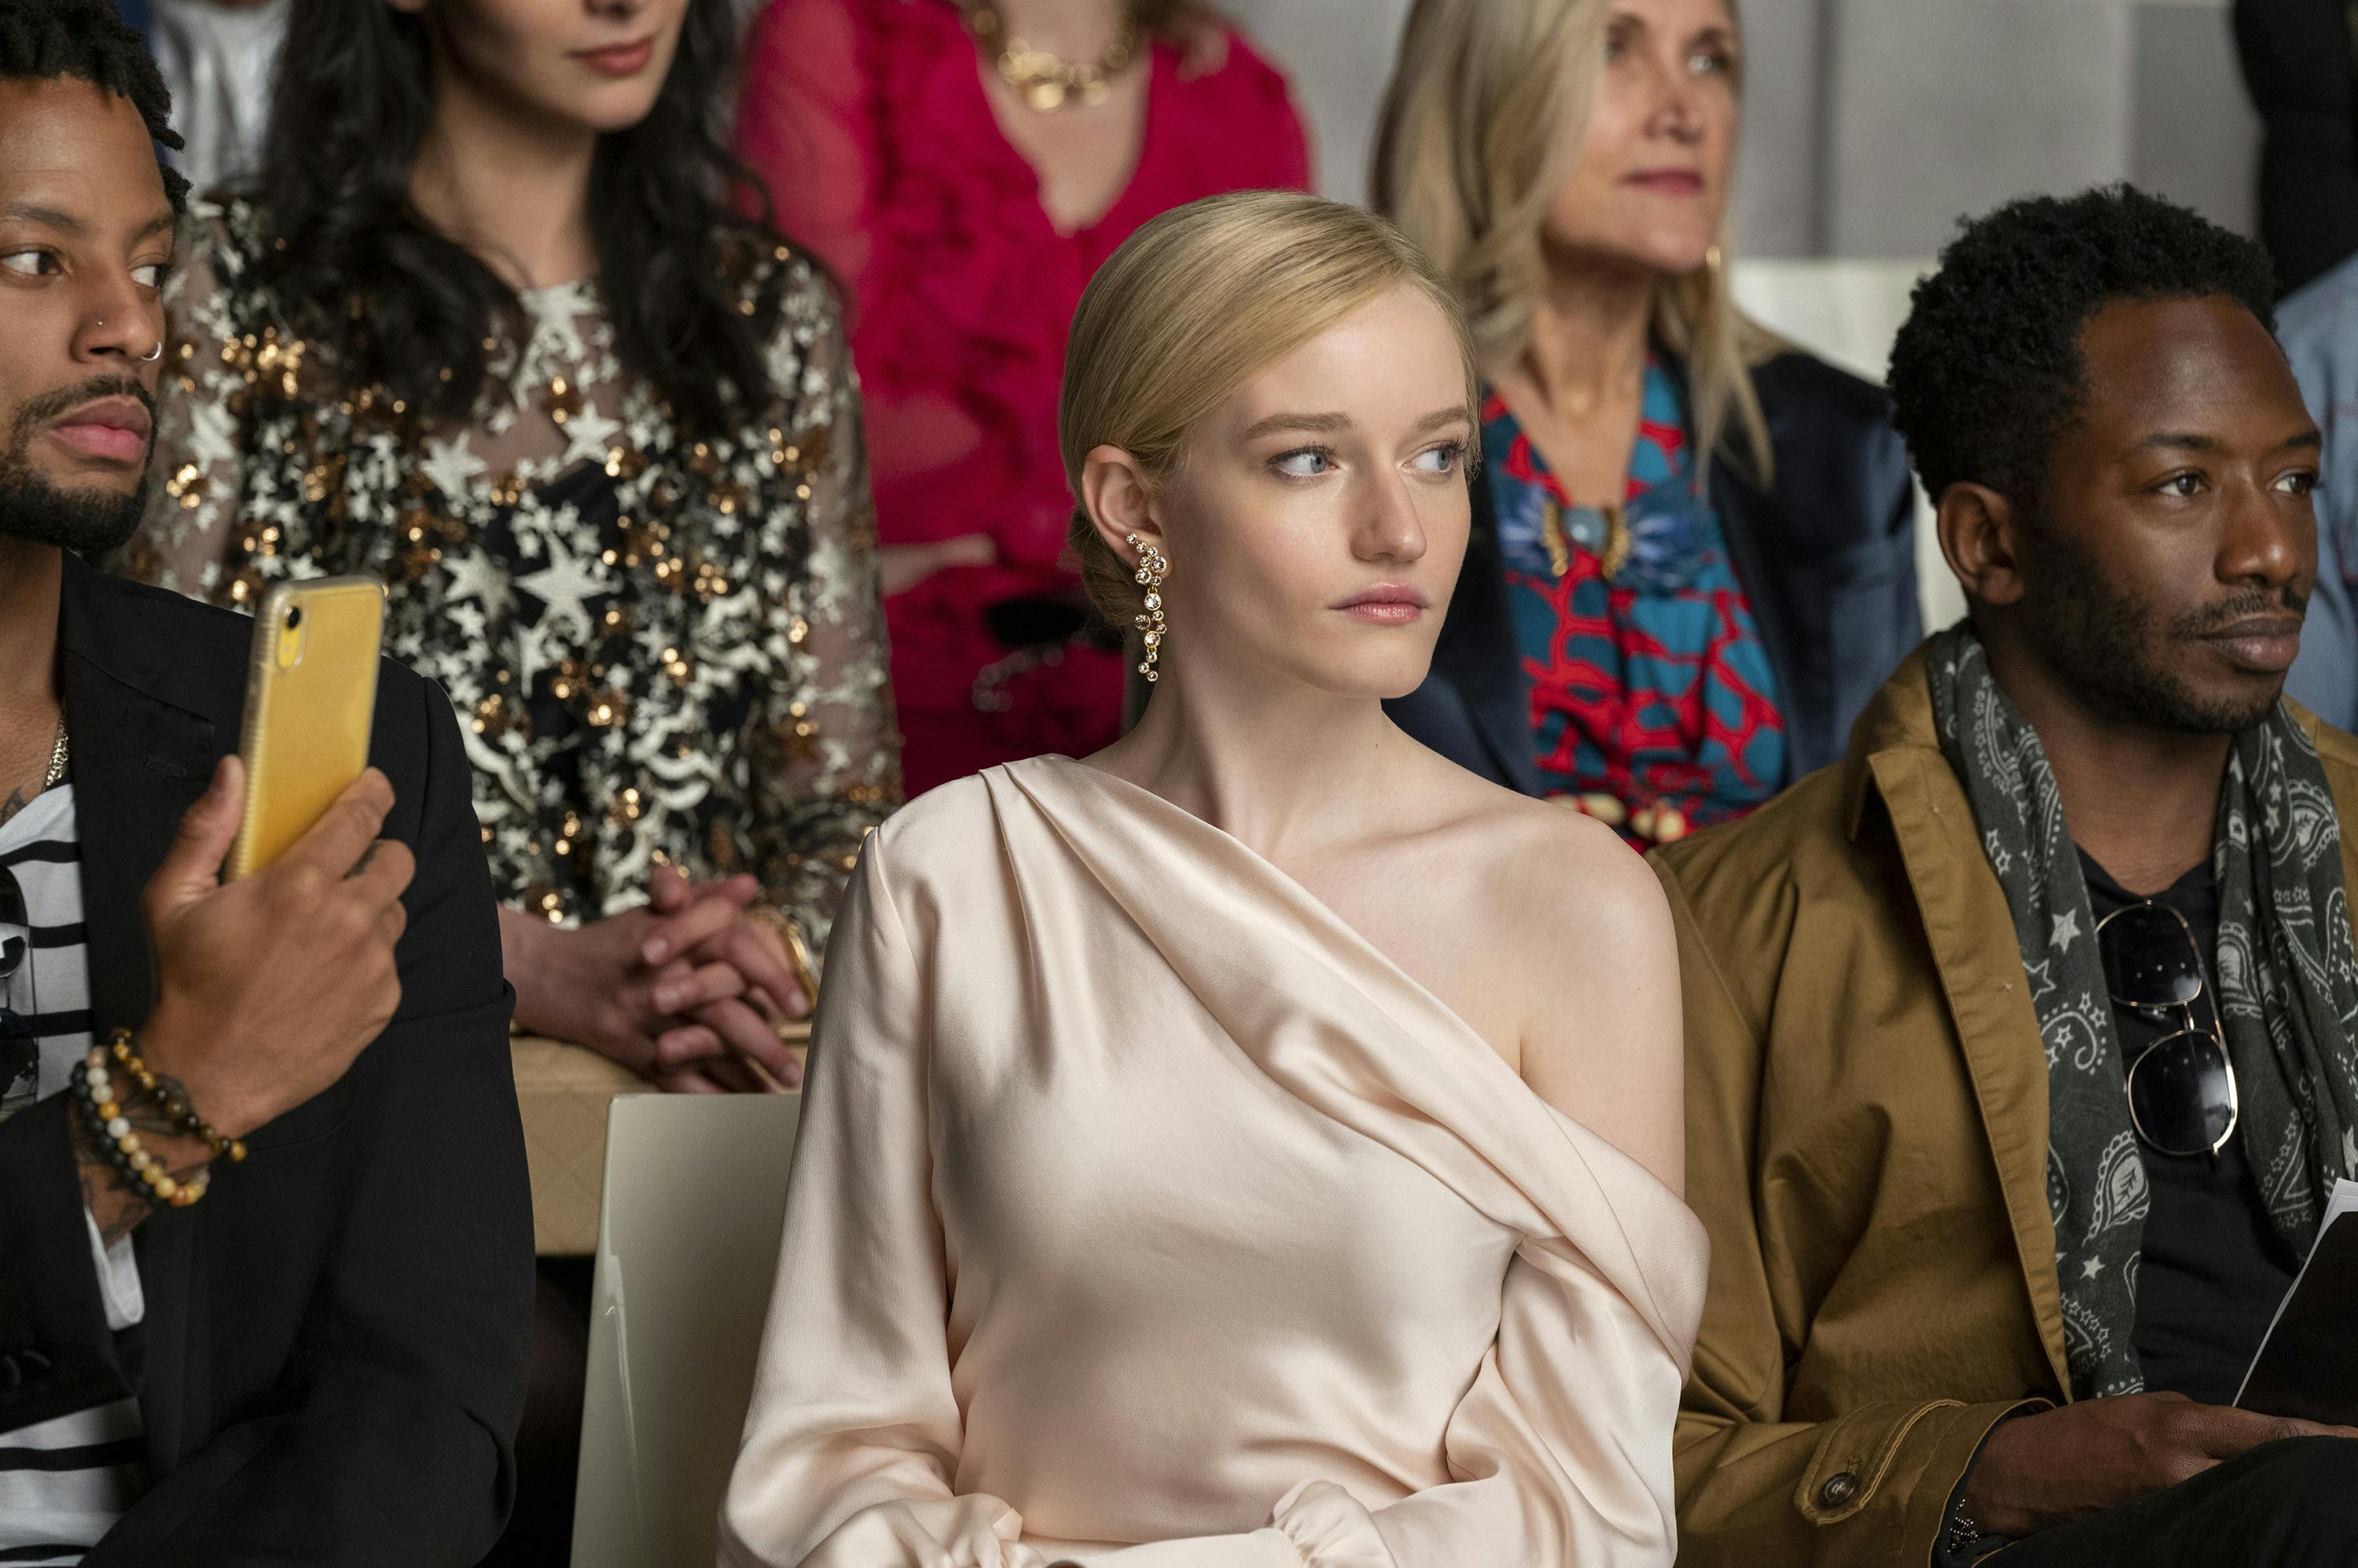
x,y
1145,1216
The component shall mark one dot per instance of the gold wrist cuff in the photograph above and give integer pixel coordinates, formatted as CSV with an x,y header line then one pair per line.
x,y
790,934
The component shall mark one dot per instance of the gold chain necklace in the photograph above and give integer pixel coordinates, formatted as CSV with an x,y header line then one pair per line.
x,y
1043,81
57,757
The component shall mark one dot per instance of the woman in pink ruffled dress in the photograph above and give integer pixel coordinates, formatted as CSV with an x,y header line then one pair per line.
x,y
965,166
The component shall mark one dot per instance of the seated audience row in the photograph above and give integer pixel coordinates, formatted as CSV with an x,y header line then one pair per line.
x,y
1174,1255
1662,626
652,597
1171,1190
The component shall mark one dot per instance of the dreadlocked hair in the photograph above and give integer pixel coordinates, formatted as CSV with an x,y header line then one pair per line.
x,y
43,40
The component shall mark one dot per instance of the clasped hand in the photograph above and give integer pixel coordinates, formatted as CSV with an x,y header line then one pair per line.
x,y
688,990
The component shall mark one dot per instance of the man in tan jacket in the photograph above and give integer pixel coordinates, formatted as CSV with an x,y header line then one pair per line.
x,y
2020,1056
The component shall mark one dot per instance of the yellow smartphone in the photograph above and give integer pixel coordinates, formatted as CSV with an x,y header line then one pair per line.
x,y
311,702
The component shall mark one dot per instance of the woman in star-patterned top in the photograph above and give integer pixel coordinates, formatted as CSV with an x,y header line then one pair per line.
x,y
490,330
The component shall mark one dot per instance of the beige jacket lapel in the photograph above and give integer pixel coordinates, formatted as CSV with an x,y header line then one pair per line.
x,y
1971,933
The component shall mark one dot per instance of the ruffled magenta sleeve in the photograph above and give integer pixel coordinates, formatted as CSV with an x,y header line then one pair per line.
x,y
831,120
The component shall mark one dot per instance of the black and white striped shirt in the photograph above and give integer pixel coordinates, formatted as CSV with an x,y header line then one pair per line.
x,y
63,1483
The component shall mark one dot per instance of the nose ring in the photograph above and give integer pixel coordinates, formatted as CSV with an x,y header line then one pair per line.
x,y
157,354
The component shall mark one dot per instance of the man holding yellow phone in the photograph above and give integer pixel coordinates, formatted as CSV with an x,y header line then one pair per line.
x,y
265,1244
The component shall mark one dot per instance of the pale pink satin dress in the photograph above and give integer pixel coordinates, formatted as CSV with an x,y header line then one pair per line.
x,y
1145,1215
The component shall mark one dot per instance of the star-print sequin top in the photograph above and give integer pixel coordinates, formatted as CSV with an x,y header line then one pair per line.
x,y
659,650
1653,704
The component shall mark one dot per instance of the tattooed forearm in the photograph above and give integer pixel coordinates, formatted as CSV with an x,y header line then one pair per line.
x,y
110,1199
148,1115
117,1204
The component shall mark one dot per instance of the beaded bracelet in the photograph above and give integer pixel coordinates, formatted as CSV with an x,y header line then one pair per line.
x,y
177,1110
95,1099
102,1107
90,1092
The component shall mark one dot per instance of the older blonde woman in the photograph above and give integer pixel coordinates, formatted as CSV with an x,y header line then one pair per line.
x,y
1171,1192
1692,561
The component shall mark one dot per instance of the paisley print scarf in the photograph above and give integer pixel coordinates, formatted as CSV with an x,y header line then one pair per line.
x,y
2287,993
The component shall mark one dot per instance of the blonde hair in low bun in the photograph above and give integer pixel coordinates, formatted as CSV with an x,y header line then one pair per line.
x,y
1195,304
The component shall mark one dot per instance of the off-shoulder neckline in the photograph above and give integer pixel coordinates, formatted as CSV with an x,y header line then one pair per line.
x,y
1342,930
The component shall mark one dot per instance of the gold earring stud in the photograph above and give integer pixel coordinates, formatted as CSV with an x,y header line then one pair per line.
x,y
1153,567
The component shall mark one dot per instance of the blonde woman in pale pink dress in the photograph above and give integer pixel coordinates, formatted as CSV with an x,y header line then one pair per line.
x,y
1256,1145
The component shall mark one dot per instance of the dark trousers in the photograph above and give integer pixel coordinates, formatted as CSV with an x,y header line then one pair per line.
x,y
2283,1505
540,1527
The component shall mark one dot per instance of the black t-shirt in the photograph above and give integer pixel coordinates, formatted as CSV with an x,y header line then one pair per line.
x,y
2213,1269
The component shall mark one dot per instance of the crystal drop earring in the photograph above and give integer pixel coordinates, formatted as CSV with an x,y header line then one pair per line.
x,y
1153,567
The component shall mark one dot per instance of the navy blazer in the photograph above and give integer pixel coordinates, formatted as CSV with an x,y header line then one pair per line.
x,y
1826,557
331,1367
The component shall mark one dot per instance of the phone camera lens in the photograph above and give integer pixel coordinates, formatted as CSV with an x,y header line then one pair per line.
x,y
294,616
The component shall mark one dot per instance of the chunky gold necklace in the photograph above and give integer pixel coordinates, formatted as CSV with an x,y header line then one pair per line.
x,y
1043,81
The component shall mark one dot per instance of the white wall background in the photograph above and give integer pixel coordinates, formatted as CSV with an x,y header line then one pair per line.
x,y
1873,124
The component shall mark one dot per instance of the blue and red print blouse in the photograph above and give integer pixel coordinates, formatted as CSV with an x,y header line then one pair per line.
x,y
1653,704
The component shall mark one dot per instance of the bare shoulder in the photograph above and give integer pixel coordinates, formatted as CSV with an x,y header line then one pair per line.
x,y
1591,956
1555,869
1581,905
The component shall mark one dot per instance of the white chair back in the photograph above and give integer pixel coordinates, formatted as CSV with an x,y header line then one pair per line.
x,y
687,1245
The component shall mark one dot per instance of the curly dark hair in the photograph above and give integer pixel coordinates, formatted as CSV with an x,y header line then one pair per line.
x,y
395,303
1986,373
42,40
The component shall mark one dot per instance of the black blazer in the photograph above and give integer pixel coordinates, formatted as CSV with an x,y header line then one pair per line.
x,y
1827,559
332,1365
